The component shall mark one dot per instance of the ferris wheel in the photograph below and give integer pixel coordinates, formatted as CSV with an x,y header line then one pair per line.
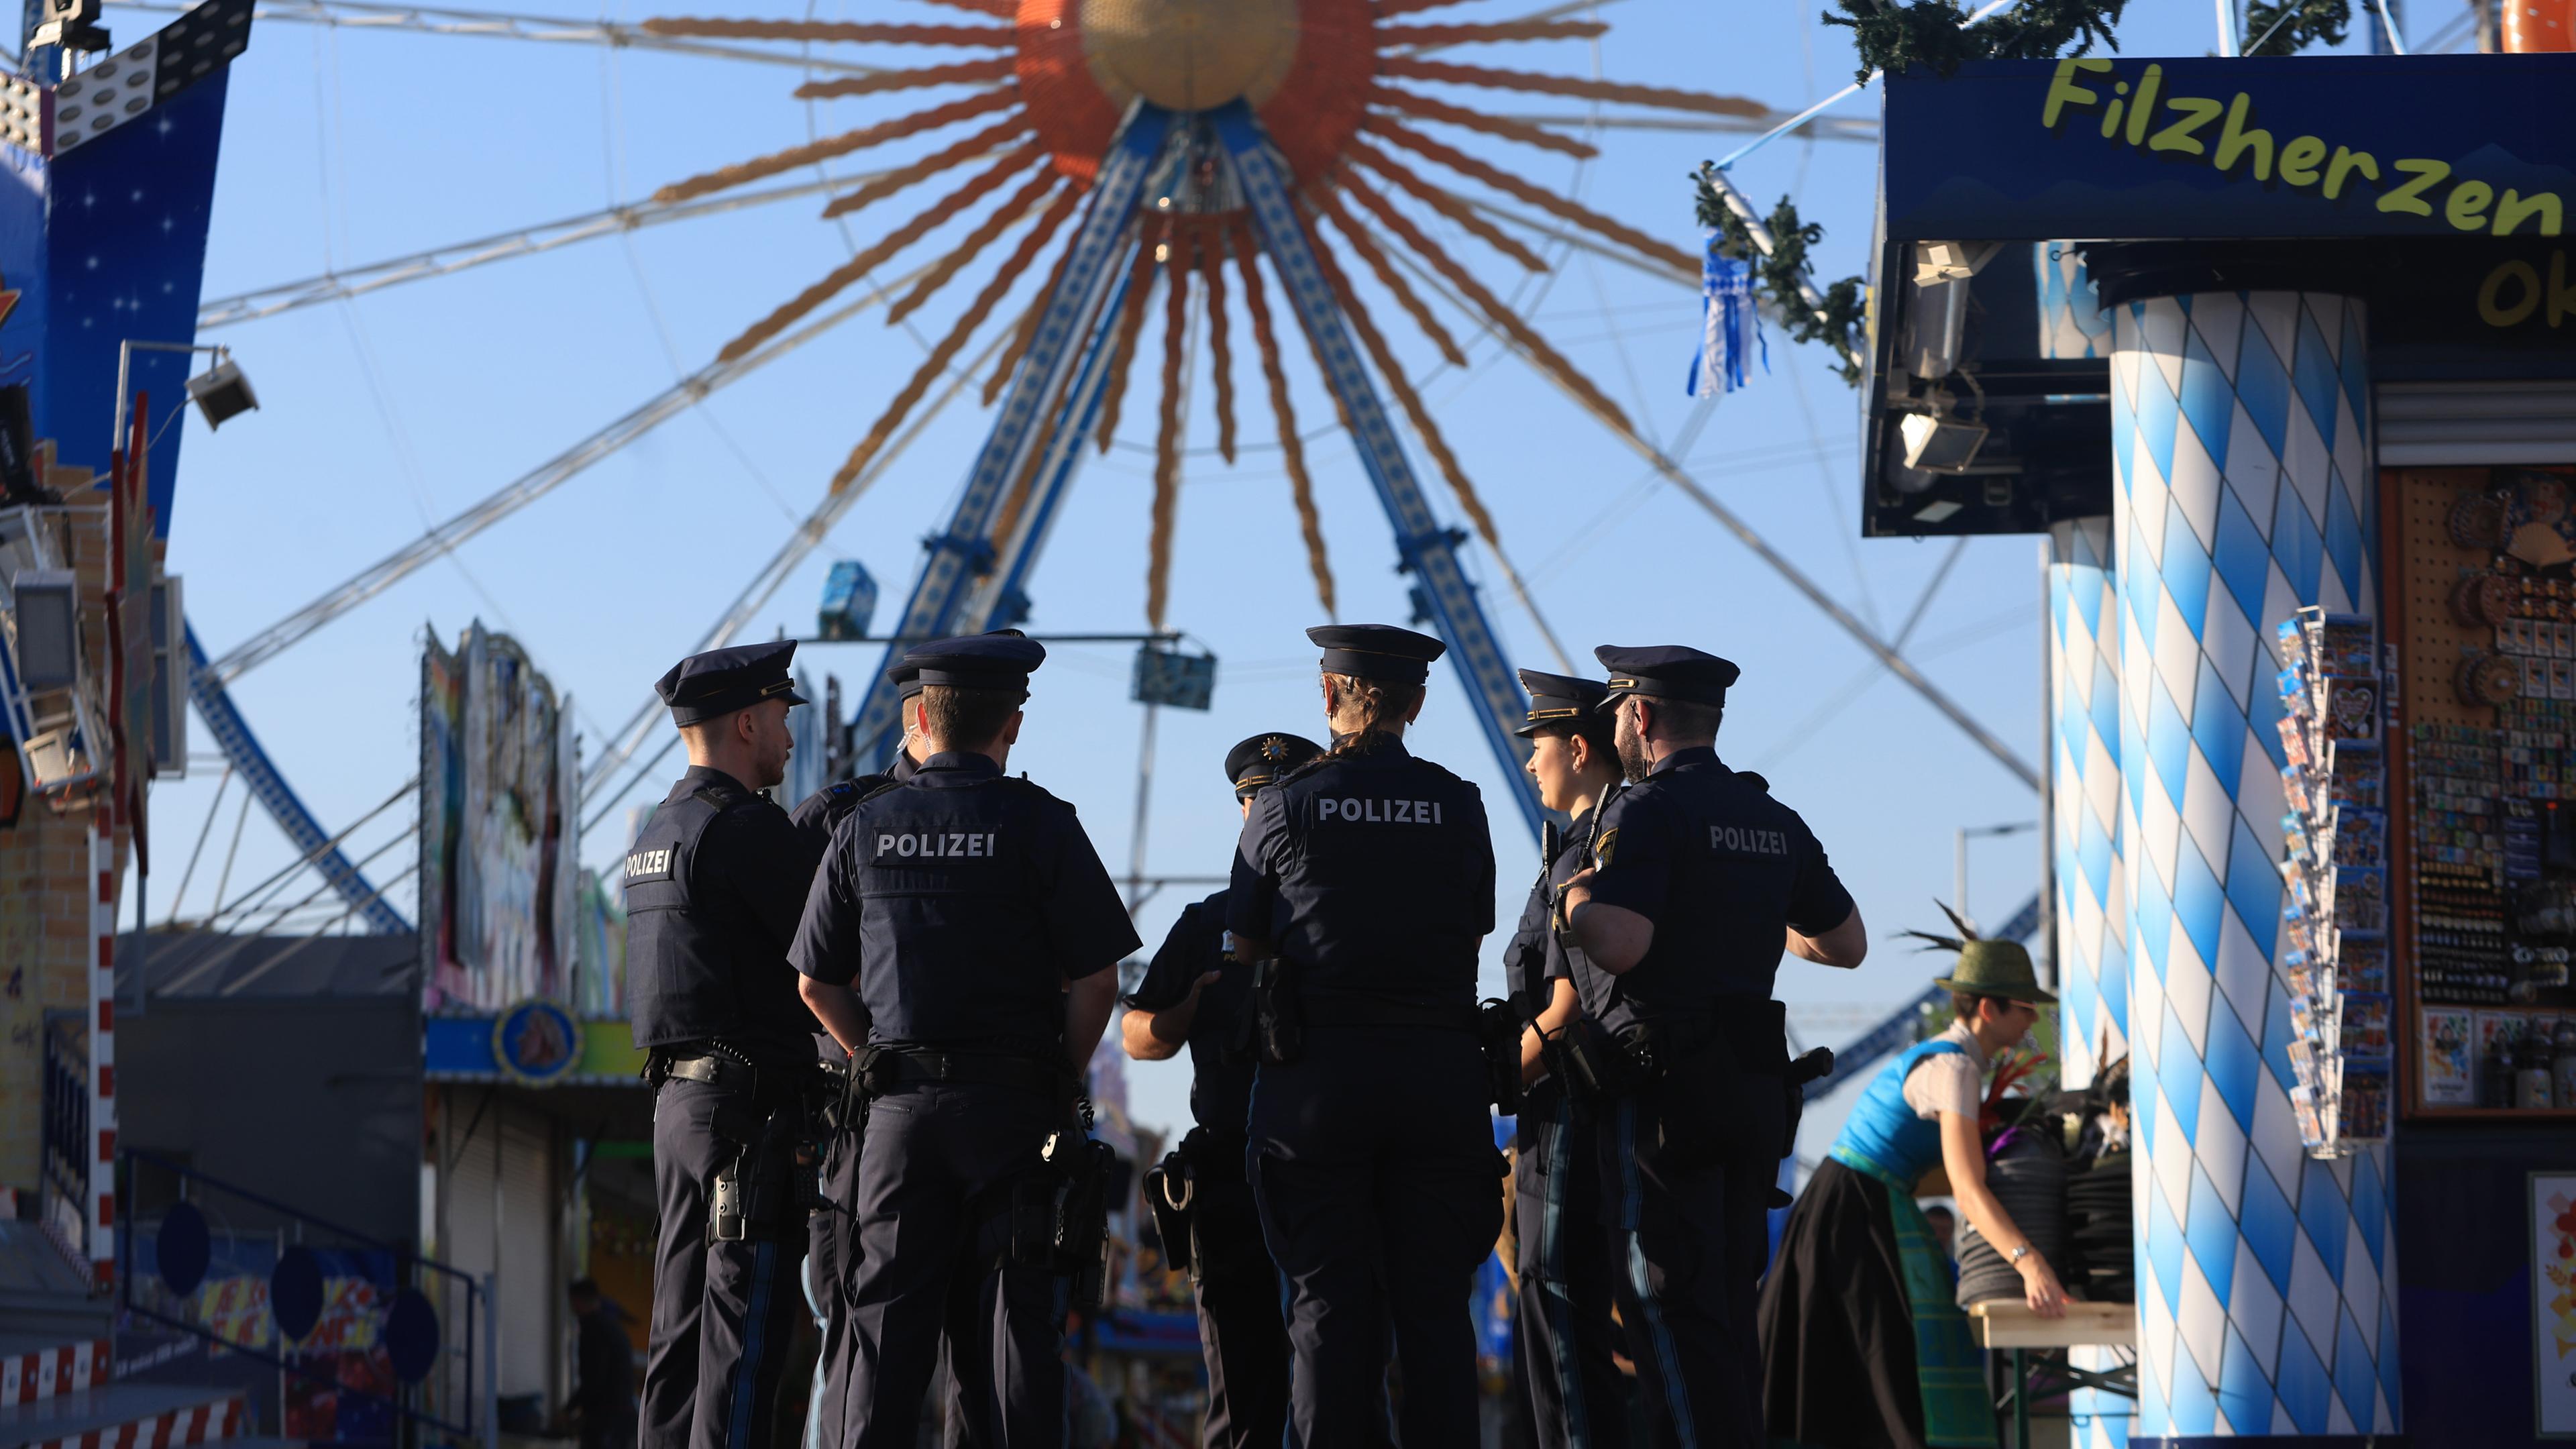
x,y
1152,189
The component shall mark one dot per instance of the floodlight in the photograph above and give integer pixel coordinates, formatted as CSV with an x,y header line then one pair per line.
x,y
1940,445
221,391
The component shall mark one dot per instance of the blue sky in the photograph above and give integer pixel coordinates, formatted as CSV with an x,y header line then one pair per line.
x,y
402,407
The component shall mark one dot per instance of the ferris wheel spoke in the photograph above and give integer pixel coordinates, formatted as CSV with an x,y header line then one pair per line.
x,y
356,15
482,251
1503,181
402,562
1823,128
1557,231
1292,448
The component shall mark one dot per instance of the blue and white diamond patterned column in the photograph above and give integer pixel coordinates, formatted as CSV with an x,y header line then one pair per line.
x,y
2244,490
2092,884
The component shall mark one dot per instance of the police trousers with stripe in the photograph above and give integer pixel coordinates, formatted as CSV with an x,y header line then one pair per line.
x,y
1688,1251
724,1313
1563,1337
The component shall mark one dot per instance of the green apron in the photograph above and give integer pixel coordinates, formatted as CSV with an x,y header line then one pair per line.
x,y
1949,1368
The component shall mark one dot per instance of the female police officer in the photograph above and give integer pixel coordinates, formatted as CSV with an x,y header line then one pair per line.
x,y
1563,1338
1361,890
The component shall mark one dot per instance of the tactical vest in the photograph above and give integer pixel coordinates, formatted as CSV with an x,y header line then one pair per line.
x,y
956,950
697,965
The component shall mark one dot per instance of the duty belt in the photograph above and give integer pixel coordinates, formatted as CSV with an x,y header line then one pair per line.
x,y
912,1066
1337,1008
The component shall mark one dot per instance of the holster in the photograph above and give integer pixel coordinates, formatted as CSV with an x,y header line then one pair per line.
x,y
761,1191
1701,1073
1278,1032
1079,1228
1498,1035
1169,1196
1591,1063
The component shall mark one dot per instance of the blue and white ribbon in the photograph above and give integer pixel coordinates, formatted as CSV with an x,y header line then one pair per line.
x,y
1730,329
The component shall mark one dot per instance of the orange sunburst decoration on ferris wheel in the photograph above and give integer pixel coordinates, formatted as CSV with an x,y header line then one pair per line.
x,y
1327,79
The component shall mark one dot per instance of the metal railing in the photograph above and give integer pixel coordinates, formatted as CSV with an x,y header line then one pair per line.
x,y
359,1371
65,1195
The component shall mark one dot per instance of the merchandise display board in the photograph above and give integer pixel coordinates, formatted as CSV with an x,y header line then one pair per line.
x,y
2483,611
2335,910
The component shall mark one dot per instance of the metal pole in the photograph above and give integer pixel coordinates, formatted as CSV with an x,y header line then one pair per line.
x,y
491,1406
1959,874
2227,27
2047,769
1144,794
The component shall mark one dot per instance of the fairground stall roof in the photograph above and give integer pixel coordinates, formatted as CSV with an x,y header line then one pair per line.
x,y
2019,198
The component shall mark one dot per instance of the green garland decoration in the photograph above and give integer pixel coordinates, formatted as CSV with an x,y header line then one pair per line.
x,y
1895,37
2290,26
1776,276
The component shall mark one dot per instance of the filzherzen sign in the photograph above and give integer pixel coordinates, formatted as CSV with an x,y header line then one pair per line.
x,y
2102,147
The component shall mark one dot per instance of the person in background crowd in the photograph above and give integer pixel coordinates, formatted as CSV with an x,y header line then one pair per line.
x,y
601,1411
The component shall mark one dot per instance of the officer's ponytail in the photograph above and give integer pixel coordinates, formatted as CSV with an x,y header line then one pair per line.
x,y
1375,701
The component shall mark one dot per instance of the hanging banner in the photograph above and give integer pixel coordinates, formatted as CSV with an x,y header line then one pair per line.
x,y
499,806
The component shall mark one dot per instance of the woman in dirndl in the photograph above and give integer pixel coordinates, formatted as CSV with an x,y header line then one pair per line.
x,y
1860,1281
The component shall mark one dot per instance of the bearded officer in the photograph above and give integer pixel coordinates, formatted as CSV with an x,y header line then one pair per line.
x,y
1697,883
1362,888
714,887
1190,996
1563,1338
959,941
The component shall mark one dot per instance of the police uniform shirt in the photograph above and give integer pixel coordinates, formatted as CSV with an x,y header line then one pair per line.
x,y
1560,960
1373,873
1220,1075
958,905
825,808
1720,868
1534,957
744,890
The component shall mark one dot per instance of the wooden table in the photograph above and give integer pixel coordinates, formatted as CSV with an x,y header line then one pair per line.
x,y
2012,1327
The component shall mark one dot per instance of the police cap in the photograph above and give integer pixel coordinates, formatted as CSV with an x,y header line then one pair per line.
x,y
714,684
1377,651
1665,671
1262,759
1557,698
978,661
905,676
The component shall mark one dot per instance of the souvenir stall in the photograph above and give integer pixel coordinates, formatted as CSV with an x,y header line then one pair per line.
x,y
2278,357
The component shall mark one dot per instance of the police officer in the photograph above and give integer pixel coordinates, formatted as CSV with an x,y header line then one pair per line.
x,y
1563,1338
714,886
1361,890
1697,882
1191,996
827,1261
959,940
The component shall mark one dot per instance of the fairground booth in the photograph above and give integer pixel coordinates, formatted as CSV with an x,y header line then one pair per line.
x,y
2279,358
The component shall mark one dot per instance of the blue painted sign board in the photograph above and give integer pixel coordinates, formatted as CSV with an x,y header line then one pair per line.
x,y
2126,147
